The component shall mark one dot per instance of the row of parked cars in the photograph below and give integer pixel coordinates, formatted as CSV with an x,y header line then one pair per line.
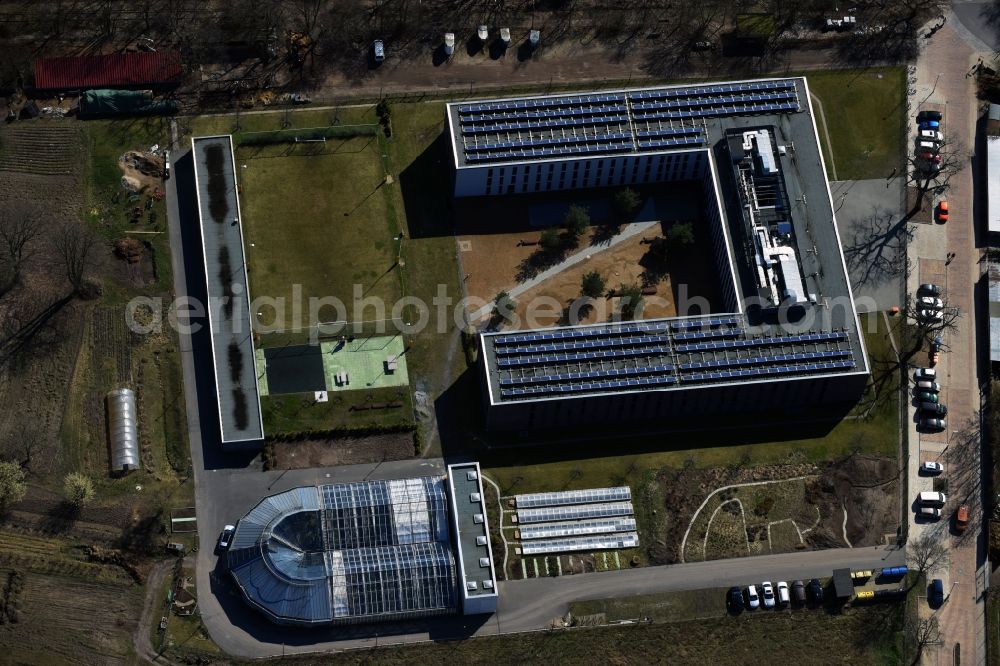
x,y
771,595
930,504
929,140
929,303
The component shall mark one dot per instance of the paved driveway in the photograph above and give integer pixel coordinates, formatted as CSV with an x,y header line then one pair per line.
x,y
861,206
942,83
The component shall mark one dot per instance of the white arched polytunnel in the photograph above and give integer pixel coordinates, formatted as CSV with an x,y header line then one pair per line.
x,y
123,428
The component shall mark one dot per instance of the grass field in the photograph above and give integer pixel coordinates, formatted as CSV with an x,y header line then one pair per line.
x,y
328,231
860,637
865,115
300,413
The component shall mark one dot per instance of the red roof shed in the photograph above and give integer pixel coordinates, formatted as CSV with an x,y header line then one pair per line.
x,y
116,70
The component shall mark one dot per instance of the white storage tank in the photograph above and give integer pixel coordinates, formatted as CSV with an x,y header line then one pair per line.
x,y
123,429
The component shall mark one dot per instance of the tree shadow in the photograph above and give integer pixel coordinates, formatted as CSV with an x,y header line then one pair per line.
x,y
876,251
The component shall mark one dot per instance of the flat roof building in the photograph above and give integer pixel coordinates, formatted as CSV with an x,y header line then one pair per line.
x,y
219,220
477,581
785,335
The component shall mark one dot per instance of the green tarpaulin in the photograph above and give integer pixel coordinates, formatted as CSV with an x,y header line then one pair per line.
x,y
124,103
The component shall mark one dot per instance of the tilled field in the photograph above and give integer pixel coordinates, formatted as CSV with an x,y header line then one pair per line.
x,y
56,623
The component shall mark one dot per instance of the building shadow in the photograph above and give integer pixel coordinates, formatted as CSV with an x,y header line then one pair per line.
x,y
460,415
426,186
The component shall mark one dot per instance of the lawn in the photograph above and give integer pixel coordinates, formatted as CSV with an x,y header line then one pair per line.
x,y
866,116
300,413
318,226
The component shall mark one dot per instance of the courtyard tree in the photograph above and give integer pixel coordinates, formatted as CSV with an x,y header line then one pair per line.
x,y
681,234
592,285
576,220
630,303
78,488
504,306
550,240
625,204
12,485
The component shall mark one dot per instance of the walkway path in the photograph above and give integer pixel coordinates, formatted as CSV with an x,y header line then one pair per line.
x,y
629,231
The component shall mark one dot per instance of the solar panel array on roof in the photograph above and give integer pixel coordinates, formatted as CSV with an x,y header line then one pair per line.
x,y
578,544
760,342
576,512
578,528
346,552
610,123
570,497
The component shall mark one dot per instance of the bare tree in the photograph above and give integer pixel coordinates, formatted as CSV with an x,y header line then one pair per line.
x,y
928,327
74,245
19,228
927,553
934,174
923,632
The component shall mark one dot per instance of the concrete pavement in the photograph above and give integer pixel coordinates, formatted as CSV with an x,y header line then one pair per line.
x,y
942,83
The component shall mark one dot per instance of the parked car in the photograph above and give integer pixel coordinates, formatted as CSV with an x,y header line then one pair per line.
x,y
449,43
928,385
767,591
735,600
931,498
930,302
929,408
753,599
166,165
935,593
816,591
799,592
942,211
378,50
961,519
483,33
925,116
929,512
929,125
934,357
933,425
924,373
932,467
928,289
926,396
226,537
933,316
783,595
930,156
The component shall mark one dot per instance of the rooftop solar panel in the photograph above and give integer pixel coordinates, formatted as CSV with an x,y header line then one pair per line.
x,y
759,342
578,544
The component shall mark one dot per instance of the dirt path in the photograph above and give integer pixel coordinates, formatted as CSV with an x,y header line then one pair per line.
x,y
143,645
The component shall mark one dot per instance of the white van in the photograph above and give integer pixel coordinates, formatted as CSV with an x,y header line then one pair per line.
x,y
929,498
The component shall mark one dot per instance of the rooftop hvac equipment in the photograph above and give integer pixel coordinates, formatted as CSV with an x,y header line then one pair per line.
x,y
123,429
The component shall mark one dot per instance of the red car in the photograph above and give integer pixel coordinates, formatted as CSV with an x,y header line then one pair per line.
x,y
942,212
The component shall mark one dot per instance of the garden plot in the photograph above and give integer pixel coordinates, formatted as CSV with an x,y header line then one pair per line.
x,y
755,518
